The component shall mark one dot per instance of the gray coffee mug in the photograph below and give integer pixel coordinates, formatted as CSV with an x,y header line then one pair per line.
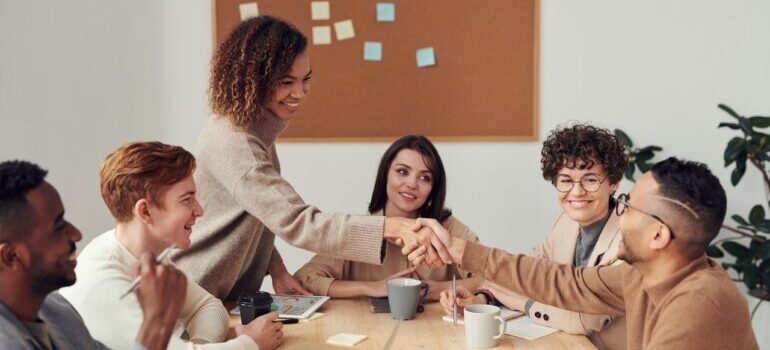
x,y
404,297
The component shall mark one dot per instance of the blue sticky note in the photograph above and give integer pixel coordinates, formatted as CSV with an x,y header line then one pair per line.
x,y
386,12
372,51
426,57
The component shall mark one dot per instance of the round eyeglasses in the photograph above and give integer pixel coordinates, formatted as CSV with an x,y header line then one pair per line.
x,y
623,204
589,183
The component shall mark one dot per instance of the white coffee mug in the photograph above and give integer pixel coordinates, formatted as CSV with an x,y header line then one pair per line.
x,y
483,326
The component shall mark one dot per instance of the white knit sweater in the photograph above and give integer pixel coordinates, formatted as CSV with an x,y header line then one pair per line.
x,y
105,270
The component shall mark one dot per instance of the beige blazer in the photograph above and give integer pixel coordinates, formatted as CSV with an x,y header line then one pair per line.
x,y
604,331
319,273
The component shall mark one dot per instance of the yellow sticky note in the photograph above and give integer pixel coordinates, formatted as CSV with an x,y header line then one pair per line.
x,y
344,29
322,35
314,317
248,10
346,339
319,10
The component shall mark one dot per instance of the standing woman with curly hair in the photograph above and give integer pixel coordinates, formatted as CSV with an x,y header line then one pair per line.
x,y
260,75
585,165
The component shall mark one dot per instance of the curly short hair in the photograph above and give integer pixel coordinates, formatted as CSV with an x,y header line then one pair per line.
x,y
579,146
141,170
17,178
248,65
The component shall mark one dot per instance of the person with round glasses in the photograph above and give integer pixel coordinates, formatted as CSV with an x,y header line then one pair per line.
x,y
585,165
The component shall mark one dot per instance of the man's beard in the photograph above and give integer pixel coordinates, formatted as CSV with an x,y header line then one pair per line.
x,y
626,254
46,279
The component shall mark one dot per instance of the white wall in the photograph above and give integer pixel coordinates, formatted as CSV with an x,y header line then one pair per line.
x,y
77,79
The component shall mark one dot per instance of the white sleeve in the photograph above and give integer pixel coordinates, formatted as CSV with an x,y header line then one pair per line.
x,y
203,315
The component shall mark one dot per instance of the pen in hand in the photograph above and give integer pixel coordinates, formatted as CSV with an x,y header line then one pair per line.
x,y
454,300
138,279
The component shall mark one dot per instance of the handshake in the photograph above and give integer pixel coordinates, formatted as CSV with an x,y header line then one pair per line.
x,y
425,242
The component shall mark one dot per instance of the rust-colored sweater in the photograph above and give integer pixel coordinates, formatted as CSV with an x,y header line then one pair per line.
x,y
698,307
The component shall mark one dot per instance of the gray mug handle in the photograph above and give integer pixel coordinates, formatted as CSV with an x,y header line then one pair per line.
x,y
421,308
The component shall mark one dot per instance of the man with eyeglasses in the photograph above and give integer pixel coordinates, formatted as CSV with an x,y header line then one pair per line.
x,y
672,295
585,164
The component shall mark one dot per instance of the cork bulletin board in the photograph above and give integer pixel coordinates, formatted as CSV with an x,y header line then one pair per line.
x,y
483,85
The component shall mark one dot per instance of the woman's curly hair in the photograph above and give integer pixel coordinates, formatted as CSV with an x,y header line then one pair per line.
x,y
248,65
579,146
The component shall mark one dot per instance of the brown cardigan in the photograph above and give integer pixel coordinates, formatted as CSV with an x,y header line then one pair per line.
x,y
698,307
604,331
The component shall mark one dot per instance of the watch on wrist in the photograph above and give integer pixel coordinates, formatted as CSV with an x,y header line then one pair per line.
x,y
490,298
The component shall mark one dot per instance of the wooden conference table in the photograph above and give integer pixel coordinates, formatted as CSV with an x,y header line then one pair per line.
x,y
426,331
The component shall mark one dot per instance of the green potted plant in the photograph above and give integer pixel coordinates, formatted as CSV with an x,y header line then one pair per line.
x,y
638,158
749,245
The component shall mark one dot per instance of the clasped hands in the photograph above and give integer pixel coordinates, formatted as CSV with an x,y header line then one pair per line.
x,y
425,242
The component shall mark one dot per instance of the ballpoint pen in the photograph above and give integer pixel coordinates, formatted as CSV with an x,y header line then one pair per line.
x,y
138,279
454,300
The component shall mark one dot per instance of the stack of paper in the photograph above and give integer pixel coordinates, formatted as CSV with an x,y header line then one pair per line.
x,y
523,327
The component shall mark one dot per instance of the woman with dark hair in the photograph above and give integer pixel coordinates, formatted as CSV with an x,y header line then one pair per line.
x,y
260,76
410,183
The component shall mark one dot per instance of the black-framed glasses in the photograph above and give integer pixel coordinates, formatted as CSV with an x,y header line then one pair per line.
x,y
589,183
623,204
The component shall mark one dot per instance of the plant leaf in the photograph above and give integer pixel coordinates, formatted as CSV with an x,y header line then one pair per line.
x,y
630,169
763,226
757,214
754,246
651,149
737,218
745,126
729,110
644,166
729,125
734,148
759,121
740,169
736,249
764,272
764,251
644,157
750,276
714,252
624,138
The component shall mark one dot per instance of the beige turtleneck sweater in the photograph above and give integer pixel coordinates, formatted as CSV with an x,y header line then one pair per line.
x,y
247,203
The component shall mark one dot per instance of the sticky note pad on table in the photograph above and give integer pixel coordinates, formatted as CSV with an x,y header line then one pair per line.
x,y
344,29
346,339
426,57
372,51
322,35
248,10
386,12
319,10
